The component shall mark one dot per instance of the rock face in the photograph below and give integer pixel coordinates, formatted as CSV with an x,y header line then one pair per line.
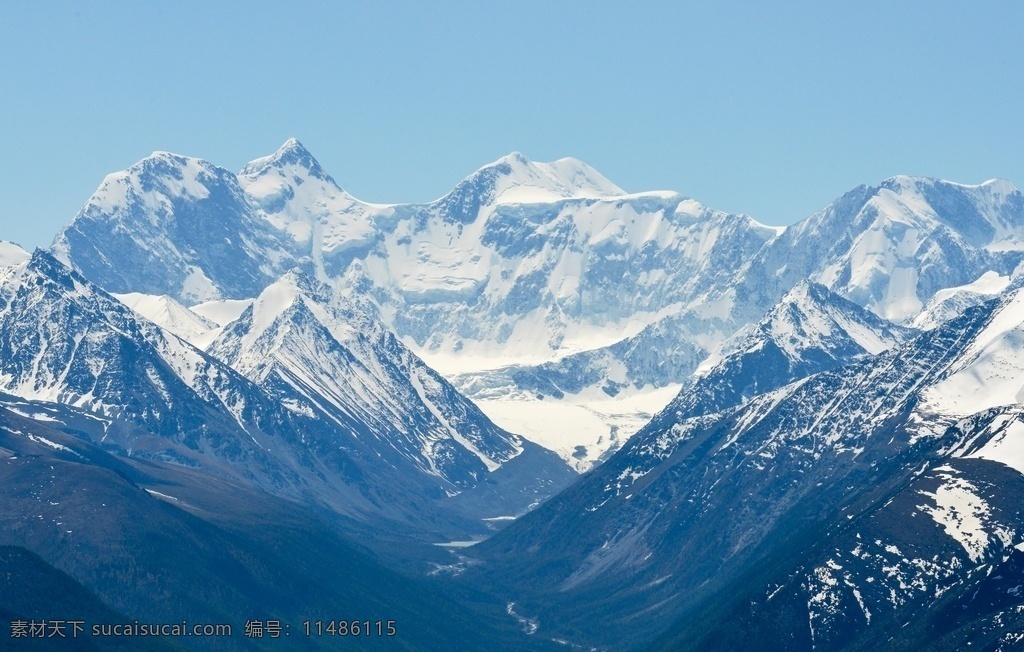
x,y
936,566
66,341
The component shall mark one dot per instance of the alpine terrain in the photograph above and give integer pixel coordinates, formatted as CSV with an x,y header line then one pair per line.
x,y
539,412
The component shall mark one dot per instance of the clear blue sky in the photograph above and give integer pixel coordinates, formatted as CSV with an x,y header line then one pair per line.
x,y
767,111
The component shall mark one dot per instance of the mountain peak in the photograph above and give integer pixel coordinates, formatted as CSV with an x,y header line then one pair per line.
x,y
291,153
1000,186
810,316
163,165
292,150
808,291
515,179
43,262
513,158
12,254
901,182
296,282
294,287
166,173
292,144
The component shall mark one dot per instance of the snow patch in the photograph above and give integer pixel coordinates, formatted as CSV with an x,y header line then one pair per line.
x,y
1006,447
222,312
12,254
961,513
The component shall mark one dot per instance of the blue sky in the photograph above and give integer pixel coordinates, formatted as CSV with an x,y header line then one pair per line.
x,y
770,111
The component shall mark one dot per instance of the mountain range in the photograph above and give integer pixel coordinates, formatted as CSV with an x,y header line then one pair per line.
x,y
632,421
812,486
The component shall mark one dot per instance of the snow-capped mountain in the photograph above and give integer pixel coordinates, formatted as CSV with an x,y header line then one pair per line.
x,y
811,330
296,335
173,317
66,341
523,263
574,300
989,372
319,219
156,396
891,247
951,302
178,226
539,288
515,179
518,253
299,339
497,282
936,565
691,506
843,451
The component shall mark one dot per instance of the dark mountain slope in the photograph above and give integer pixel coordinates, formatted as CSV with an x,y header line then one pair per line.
x,y
192,547
690,506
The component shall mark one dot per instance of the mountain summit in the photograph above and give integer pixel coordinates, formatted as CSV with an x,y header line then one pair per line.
x,y
173,225
291,153
515,179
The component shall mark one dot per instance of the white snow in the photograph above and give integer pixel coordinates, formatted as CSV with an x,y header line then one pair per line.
x,y
950,302
880,268
271,303
580,429
529,182
12,254
990,371
112,192
312,209
172,316
961,513
521,348
1007,447
36,416
198,285
52,444
990,283
222,312
153,492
